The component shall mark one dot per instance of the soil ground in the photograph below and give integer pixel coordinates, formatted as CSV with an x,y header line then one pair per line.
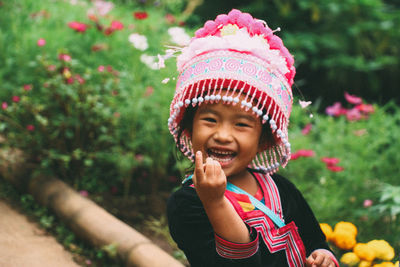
x,y
24,244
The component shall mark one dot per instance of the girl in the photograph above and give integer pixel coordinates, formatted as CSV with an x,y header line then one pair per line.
x,y
230,115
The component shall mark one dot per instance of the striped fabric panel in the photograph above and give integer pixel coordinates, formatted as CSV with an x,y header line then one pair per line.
x,y
232,250
285,238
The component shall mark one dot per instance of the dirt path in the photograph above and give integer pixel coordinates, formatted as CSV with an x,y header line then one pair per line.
x,y
24,244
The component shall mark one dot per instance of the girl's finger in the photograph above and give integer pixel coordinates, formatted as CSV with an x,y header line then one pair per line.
x,y
199,168
209,169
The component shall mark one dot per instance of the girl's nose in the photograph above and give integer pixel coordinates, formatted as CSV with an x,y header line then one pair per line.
x,y
223,134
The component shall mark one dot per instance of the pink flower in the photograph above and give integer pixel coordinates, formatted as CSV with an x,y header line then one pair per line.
x,y
368,203
64,57
79,79
365,108
330,161
78,26
117,115
306,130
16,99
354,115
170,18
30,127
335,110
139,157
41,42
4,105
101,68
116,25
84,193
27,87
70,80
114,190
140,15
302,153
334,168
149,91
51,68
98,47
352,99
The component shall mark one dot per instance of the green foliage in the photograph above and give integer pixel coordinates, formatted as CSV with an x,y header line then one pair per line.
x,y
99,115
367,151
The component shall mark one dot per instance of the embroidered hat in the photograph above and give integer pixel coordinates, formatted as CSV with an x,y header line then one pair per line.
x,y
237,53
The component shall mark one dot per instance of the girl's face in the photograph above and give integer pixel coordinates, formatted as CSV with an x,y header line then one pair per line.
x,y
228,134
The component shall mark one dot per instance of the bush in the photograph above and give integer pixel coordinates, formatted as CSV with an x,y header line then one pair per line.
x,y
82,97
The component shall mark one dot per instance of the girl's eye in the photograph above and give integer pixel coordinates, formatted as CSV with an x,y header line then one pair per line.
x,y
209,119
241,124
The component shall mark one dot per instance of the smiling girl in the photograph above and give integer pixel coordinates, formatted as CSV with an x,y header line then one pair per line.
x,y
229,116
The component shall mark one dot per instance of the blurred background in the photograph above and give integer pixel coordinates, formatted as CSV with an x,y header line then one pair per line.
x,y
83,97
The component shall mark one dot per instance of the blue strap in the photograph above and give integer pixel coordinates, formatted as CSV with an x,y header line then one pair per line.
x,y
256,203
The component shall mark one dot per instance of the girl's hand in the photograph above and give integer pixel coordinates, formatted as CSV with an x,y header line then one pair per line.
x,y
320,257
209,180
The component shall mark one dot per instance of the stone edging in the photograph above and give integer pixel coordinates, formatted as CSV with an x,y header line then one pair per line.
x,y
86,218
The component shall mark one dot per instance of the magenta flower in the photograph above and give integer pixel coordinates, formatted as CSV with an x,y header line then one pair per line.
x,y
101,68
41,42
352,99
334,168
30,127
302,153
27,87
4,105
330,161
114,190
78,26
16,99
170,18
335,110
354,115
79,79
84,193
368,203
306,130
64,57
149,91
139,157
365,108
116,25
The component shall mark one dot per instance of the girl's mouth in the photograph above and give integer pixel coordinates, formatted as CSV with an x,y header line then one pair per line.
x,y
222,156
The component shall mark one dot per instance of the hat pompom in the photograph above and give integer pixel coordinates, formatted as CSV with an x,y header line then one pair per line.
x,y
222,19
244,20
275,42
210,27
200,33
234,15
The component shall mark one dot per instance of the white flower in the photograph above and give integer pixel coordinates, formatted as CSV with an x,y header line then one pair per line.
x,y
304,104
179,36
101,8
138,41
161,63
166,80
149,61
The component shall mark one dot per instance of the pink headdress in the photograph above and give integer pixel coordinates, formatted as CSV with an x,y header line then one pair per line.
x,y
237,53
